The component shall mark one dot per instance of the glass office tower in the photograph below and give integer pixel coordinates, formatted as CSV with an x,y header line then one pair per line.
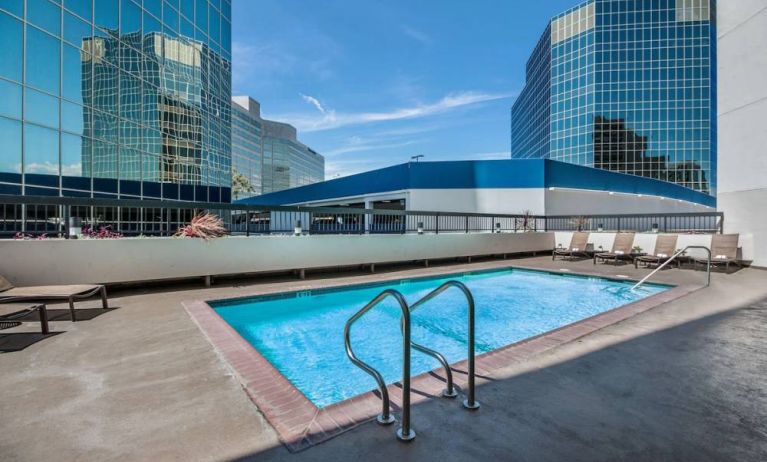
x,y
266,155
247,147
288,163
628,86
116,98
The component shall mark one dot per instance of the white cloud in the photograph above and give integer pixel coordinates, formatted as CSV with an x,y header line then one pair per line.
x,y
489,155
354,147
417,35
331,119
314,102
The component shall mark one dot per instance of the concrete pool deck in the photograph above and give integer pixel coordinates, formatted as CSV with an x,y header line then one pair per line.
x,y
684,380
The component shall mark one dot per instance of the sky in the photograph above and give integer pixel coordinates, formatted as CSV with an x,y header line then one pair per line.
x,y
371,83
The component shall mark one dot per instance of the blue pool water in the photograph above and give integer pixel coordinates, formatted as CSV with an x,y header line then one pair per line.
x,y
301,334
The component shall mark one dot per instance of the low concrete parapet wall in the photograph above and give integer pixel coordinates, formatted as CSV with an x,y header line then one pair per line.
x,y
142,259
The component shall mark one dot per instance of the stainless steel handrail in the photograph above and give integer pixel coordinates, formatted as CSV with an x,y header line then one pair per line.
x,y
404,433
708,265
449,392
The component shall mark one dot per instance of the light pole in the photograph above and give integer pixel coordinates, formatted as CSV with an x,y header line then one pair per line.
x,y
416,158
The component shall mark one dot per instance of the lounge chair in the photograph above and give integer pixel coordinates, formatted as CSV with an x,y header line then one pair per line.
x,y
577,247
621,248
10,313
70,293
724,250
665,247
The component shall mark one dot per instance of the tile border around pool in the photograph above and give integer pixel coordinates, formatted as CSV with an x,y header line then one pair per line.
x,y
300,424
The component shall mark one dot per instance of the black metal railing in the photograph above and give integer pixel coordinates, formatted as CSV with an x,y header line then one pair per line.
x,y
34,216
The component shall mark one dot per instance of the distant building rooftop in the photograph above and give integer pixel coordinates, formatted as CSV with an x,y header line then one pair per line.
x,y
506,174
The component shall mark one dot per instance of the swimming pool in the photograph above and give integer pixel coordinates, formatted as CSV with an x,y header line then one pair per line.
x,y
301,333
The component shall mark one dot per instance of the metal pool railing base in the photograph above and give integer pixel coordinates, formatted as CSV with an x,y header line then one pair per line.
x,y
405,433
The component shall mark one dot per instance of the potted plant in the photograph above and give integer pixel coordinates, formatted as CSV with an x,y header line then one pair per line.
x,y
636,249
579,222
526,223
204,226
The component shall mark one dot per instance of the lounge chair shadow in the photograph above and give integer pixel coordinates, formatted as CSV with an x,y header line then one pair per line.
x,y
55,314
18,341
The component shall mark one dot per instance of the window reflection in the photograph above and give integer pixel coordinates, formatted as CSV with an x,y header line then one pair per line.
x,y
10,99
44,15
11,52
41,108
41,150
72,155
10,133
43,61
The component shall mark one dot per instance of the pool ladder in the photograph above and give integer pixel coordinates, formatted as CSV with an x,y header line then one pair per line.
x,y
405,433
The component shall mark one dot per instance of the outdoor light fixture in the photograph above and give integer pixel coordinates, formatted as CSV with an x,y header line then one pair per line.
x,y
655,227
600,227
75,228
297,229
420,227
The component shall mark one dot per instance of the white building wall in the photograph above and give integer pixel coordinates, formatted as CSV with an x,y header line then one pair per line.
x,y
583,202
507,201
544,201
742,121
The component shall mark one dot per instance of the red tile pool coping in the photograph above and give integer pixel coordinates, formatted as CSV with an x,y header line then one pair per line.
x,y
300,424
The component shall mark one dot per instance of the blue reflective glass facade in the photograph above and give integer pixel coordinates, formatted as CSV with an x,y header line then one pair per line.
x,y
116,98
632,88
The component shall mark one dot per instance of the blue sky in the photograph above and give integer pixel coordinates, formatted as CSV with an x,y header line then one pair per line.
x,y
371,83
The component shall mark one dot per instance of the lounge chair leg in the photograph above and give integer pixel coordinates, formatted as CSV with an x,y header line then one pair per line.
x,y
104,301
43,312
72,309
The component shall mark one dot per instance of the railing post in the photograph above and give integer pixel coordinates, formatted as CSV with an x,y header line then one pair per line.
x,y
65,217
467,223
665,224
247,223
436,224
619,224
